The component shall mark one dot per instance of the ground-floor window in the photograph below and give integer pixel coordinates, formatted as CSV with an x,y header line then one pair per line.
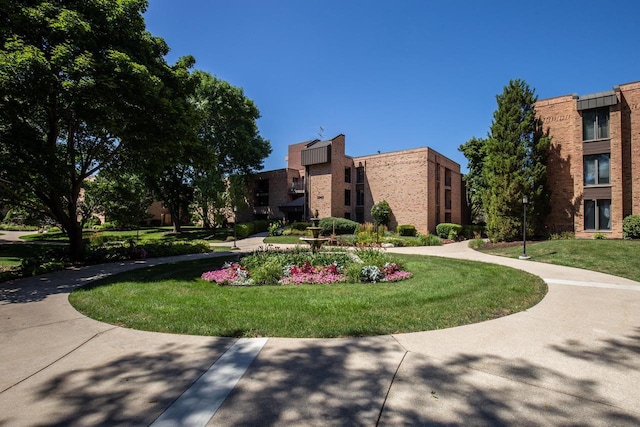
x,y
597,214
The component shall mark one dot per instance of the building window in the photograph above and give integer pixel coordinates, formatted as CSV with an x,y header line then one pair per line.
x,y
359,197
347,215
347,175
597,214
597,169
360,175
347,197
595,124
262,192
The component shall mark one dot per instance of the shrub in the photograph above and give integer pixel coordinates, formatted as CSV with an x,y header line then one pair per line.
x,y
395,241
93,222
599,236
275,228
472,231
430,240
268,273
108,225
300,226
381,212
347,240
245,229
342,225
260,225
476,243
407,230
565,235
631,227
50,259
448,230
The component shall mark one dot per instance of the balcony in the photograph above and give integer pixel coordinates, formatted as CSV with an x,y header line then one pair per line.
x,y
296,188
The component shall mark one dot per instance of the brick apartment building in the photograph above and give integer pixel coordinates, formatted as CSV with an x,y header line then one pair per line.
x,y
594,166
422,187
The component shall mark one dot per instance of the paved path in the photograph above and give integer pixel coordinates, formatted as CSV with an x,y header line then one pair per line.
x,y
574,359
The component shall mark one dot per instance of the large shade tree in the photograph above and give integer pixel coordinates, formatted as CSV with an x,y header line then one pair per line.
x,y
231,144
83,86
223,146
509,164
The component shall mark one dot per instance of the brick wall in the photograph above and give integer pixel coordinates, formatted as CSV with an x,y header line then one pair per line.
x,y
630,129
565,170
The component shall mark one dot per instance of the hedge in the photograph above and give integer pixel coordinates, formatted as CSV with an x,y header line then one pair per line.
x,y
631,227
448,230
407,230
342,225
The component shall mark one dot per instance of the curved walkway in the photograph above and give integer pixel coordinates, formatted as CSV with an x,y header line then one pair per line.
x,y
572,359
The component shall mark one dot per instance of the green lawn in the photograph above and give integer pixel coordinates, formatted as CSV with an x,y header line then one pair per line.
x,y
443,293
617,257
147,233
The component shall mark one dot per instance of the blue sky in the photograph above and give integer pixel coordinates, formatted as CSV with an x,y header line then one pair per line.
x,y
399,74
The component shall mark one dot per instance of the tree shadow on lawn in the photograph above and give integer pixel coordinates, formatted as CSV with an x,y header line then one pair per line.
x,y
38,288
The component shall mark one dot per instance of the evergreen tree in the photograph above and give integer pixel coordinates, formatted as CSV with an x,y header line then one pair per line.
x,y
474,151
515,165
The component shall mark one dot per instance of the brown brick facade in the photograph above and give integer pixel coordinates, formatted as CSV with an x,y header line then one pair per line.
x,y
562,118
422,187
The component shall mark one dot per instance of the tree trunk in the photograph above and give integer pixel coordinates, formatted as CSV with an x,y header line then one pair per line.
x,y
76,245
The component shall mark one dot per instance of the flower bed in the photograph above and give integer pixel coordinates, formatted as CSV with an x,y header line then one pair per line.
x,y
284,268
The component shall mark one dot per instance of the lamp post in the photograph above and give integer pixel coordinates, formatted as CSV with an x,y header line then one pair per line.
x,y
524,255
235,225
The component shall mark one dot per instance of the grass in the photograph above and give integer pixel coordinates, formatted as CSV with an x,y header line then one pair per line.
x,y
172,298
151,233
617,257
275,240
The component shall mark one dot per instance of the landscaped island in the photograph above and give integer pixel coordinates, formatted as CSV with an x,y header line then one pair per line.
x,y
441,293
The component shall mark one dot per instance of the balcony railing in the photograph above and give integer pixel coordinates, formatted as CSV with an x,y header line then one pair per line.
x,y
296,188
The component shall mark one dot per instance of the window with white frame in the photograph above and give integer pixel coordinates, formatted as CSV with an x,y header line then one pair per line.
x,y
597,169
597,214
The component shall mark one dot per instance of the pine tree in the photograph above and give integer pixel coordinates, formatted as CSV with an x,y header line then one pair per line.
x,y
515,165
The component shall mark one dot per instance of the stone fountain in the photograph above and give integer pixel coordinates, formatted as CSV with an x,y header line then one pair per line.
x,y
316,241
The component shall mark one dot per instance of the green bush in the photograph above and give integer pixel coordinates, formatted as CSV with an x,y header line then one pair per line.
x,y
342,225
50,259
13,227
300,226
448,230
476,243
261,225
407,230
395,241
430,240
600,236
631,227
245,229
267,274
472,231
565,235
93,222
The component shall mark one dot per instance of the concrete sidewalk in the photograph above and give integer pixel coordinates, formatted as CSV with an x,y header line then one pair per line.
x,y
574,359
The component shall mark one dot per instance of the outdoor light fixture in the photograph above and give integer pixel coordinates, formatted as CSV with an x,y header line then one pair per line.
x,y
524,255
235,225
